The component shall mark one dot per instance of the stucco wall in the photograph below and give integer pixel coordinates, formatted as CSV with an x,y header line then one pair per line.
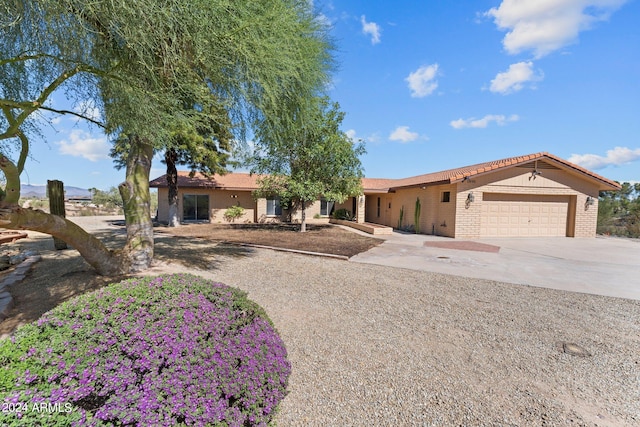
x,y
460,219
219,201
436,217
455,218
163,205
312,210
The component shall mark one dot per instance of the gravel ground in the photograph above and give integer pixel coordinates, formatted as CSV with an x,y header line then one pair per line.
x,y
372,345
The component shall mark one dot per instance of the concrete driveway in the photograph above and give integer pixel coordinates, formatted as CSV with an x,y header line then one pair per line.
x,y
602,265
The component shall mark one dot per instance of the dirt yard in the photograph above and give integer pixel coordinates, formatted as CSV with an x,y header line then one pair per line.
x,y
328,239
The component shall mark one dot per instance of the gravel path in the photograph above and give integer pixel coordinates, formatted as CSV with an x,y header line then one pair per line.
x,y
373,345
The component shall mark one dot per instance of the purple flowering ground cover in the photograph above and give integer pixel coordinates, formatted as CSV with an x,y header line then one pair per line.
x,y
168,350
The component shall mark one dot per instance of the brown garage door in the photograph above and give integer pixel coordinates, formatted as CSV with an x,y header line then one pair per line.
x,y
520,215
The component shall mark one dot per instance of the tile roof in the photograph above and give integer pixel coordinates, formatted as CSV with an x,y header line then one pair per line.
x,y
245,181
231,181
458,174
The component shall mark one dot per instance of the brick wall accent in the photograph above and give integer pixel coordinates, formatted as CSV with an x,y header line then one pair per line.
x,y
515,181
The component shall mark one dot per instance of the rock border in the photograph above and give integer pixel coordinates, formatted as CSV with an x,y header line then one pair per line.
x,y
17,275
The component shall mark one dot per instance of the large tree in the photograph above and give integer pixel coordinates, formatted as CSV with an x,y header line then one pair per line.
x,y
203,143
205,148
309,158
137,60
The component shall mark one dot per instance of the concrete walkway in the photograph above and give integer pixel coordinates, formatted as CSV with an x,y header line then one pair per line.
x,y
603,265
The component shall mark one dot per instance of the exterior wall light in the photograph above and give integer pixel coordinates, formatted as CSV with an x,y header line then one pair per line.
x,y
590,201
470,198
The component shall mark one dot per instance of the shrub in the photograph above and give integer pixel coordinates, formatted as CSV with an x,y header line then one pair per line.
x,y
168,350
343,214
234,212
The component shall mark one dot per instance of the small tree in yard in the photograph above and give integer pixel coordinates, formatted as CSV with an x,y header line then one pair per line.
x,y
312,158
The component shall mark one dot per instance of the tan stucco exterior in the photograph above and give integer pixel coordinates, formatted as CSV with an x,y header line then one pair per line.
x,y
533,195
562,191
255,210
219,201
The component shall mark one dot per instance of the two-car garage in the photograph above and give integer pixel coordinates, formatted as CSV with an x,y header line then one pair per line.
x,y
524,215
536,195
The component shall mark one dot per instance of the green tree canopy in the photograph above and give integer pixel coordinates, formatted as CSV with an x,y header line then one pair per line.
x,y
310,158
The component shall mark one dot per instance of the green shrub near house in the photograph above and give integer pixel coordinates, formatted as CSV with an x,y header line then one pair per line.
x,y
234,212
343,214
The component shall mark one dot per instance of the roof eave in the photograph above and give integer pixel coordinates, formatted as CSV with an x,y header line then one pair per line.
x,y
604,183
422,185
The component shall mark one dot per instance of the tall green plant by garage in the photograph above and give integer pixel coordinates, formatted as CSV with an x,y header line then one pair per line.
x,y
416,215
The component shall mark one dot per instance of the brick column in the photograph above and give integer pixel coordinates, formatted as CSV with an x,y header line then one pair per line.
x,y
360,200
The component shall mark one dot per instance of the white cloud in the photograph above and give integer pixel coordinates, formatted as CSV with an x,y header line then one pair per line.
x,y
616,157
472,122
422,82
402,134
355,138
372,29
374,137
544,26
515,78
81,144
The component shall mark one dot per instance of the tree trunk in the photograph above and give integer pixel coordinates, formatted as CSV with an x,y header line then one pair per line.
x,y
135,195
303,224
103,260
12,176
55,190
170,157
138,251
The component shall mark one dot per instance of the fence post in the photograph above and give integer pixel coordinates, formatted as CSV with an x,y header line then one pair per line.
x,y
55,189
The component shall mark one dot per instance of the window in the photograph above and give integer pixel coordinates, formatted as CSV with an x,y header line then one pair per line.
x,y
273,207
446,197
326,207
378,207
195,207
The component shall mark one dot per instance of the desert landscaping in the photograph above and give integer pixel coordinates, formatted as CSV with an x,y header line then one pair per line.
x,y
373,345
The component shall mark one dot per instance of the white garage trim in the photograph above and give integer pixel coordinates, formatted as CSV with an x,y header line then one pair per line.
x,y
524,215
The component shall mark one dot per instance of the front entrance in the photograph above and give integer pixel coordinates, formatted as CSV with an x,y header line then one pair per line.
x,y
195,207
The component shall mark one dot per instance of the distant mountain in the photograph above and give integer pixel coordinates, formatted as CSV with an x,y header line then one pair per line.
x,y
40,191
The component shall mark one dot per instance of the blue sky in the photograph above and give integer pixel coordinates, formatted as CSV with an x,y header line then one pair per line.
x,y
433,85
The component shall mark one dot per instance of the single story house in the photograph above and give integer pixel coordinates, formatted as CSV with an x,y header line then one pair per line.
x,y
526,196
202,199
